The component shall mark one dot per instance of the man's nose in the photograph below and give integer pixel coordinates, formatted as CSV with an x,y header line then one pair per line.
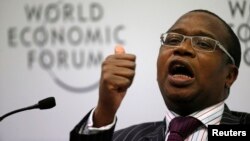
x,y
185,49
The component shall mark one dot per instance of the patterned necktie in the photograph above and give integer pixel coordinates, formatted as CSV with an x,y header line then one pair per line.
x,y
181,127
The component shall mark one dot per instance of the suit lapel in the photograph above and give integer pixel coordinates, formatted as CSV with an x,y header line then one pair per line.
x,y
158,134
228,117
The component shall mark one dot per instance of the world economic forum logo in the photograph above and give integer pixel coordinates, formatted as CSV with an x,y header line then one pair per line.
x,y
240,9
67,40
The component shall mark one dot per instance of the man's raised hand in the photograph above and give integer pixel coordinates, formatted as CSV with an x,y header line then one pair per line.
x,y
117,75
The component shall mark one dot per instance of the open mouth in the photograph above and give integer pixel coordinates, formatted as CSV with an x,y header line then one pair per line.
x,y
177,68
180,73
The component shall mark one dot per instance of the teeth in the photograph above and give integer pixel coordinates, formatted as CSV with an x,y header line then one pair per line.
x,y
181,75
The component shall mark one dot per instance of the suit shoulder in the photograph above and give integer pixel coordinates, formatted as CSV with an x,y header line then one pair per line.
x,y
243,116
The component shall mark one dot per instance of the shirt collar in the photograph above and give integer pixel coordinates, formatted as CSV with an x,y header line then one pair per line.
x,y
209,116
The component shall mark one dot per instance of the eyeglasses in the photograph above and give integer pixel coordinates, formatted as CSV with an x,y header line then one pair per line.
x,y
200,43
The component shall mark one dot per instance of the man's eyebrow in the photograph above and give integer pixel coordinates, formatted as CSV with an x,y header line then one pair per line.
x,y
177,30
195,33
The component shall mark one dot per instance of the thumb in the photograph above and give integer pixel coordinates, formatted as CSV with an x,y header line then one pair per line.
x,y
119,49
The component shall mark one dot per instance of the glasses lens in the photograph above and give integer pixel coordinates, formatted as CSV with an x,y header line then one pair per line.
x,y
172,39
203,43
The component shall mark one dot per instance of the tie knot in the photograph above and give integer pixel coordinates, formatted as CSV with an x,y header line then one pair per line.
x,y
184,126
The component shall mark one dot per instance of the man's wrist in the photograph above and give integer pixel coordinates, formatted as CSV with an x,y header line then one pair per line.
x,y
102,117
89,128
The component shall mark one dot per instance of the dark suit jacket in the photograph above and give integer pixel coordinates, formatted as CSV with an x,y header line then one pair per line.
x,y
152,131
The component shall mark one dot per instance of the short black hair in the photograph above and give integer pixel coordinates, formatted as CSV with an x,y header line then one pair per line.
x,y
234,47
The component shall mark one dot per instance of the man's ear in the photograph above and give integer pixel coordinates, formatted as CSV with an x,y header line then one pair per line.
x,y
231,75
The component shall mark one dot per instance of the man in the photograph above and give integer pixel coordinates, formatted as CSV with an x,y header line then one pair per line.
x,y
197,64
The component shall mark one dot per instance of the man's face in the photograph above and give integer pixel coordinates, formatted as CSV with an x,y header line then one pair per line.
x,y
190,80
